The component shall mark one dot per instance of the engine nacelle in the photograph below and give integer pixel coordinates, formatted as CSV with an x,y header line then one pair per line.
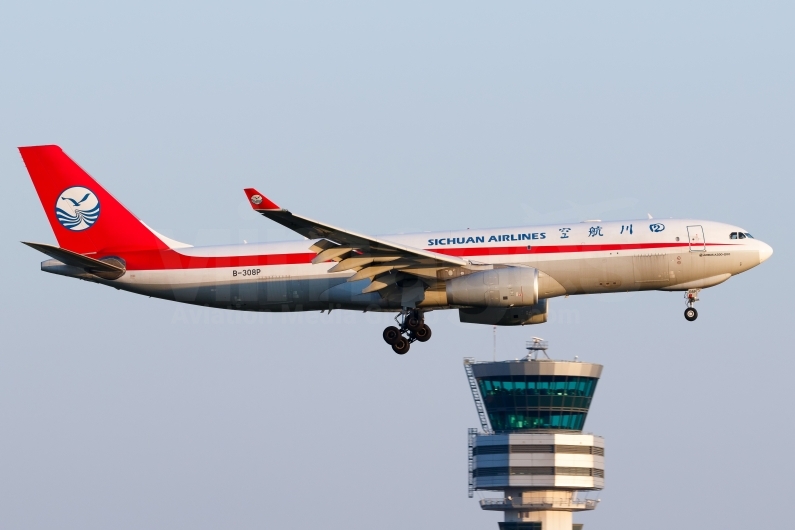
x,y
505,316
507,287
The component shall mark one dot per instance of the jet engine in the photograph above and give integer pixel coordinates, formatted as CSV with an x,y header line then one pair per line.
x,y
505,316
506,287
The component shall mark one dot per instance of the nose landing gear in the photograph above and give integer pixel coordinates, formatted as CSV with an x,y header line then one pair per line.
x,y
692,297
412,328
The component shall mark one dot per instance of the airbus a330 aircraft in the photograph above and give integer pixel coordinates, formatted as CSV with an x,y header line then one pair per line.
x,y
499,277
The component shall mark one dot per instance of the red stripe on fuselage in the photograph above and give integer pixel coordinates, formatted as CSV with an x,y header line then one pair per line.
x,y
170,259
173,260
550,249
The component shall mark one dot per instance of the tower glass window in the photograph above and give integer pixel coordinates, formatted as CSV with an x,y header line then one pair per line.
x,y
521,526
527,402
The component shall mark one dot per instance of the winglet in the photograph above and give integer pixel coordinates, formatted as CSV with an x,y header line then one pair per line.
x,y
260,202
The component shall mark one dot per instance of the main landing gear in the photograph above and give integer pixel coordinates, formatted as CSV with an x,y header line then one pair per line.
x,y
412,327
692,297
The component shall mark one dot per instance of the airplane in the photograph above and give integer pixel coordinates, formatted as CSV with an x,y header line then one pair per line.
x,y
501,277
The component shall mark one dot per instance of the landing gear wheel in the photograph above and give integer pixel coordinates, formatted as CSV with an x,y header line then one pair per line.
x,y
414,322
391,334
691,296
401,346
423,333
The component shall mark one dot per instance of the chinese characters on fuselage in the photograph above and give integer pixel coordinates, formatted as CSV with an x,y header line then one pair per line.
x,y
565,233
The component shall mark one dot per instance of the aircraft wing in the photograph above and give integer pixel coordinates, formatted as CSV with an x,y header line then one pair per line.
x,y
369,256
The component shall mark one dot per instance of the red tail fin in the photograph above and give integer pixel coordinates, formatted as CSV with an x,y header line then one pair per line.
x,y
84,217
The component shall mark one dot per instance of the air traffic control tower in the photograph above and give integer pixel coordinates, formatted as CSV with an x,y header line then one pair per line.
x,y
532,448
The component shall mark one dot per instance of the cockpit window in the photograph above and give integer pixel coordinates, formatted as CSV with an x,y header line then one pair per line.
x,y
733,235
742,236
749,235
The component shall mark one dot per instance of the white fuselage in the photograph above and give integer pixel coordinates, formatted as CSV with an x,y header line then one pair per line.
x,y
578,258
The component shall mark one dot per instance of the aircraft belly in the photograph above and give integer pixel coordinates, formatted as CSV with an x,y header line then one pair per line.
x,y
604,274
586,275
639,272
650,271
699,284
271,292
689,268
348,295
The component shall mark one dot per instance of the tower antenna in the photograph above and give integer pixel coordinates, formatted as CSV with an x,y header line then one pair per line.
x,y
494,352
536,345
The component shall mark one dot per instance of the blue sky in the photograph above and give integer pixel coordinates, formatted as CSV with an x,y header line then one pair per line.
x,y
128,412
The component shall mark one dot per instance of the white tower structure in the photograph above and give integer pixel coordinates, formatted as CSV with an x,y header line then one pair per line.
x,y
531,447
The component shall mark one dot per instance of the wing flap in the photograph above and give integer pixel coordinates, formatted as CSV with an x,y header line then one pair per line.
x,y
331,253
372,272
381,283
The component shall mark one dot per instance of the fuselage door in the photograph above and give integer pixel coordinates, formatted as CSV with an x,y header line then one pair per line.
x,y
696,236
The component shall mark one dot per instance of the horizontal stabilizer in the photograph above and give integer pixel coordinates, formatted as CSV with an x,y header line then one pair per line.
x,y
103,269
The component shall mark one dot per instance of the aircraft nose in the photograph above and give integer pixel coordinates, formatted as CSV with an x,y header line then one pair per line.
x,y
765,252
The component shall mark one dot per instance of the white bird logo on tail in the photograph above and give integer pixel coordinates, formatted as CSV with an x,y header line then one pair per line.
x,y
77,208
